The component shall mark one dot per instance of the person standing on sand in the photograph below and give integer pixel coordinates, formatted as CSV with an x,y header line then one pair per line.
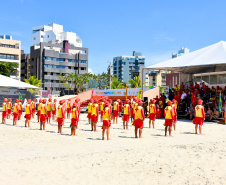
x,y
20,109
101,109
199,117
139,119
43,115
60,116
116,111
90,110
39,109
126,110
106,120
74,119
49,110
152,113
9,108
4,111
28,112
33,107
68,108
94,115
54,110
174,113
15,112
168,113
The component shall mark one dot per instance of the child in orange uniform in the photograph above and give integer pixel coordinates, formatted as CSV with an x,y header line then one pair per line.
x,y
20,109
116,111
4,111
68,108
174,106
43,115
28,113
199,117
9,108
106,120
39,109
90,110
152,113
15,112
49,108
94,115
54,110
139,119
126,110
33,107
74,119
60,116
169,117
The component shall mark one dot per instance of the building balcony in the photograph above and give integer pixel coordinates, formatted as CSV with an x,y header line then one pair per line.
x,y
9,60
58,85
54,62
51,77
58,70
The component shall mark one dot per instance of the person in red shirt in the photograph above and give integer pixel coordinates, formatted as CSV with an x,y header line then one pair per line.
x,y
54,108
152,113
106,120
43,115
9,108
169,117
33,107
15,112
126,110
68,108
74,118
28,113
101,109
199,117
116,111
60,115
4,111
120,107
94,115
139,119
193,100
49,110
20,109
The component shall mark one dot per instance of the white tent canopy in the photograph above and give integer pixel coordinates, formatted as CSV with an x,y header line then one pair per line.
x,y
209,59
9,82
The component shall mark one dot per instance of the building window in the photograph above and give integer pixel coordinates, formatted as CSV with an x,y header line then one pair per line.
x,y
42,36
7,37
34,38
48,36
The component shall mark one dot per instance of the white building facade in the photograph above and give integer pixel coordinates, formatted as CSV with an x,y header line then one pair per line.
x,y
54,32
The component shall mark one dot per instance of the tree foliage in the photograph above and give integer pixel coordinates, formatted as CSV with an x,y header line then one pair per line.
x,y
117,83
8,67
135,82
33,81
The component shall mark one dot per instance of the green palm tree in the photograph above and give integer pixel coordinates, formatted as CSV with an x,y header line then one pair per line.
x,y
33,81
136,82
117,83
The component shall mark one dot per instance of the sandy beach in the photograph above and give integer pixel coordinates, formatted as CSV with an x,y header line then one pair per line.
x,y
30,156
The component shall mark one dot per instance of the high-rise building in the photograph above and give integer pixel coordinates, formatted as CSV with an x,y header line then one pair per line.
x,y
50,58
54,32
182,51
10,51
127,67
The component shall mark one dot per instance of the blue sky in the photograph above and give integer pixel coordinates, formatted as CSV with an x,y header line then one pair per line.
x,y
112,28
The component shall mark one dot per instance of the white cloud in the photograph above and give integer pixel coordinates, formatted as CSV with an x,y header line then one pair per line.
x,y
90,70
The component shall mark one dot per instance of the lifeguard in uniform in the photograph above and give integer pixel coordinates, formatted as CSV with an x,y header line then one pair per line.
x,y
116,111
28,112
15,112
139,119
169,117
94,115
49,110
60,116
106,120
199,117
152,113
9,107
126,111
4,111
54,107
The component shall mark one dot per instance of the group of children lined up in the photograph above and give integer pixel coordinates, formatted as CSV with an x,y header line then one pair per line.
x,y
131,109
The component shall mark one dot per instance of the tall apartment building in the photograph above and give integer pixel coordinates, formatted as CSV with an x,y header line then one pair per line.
x,y
127,67
48,59
157,78
54,32
182,51
25,66
10,51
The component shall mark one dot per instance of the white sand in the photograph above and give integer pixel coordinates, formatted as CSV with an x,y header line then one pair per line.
x,y
30,156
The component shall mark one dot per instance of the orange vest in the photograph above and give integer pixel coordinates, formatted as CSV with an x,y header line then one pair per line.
x,y
90,107
168,112
59,112
198,111
28,109
39,106
54,107
15,108
20,106
152,108
74,113
106,115
101,106
33,105
137,113
126,109
134,106
9,105
68,105
43,109
4,107
48,106
94,109
116,106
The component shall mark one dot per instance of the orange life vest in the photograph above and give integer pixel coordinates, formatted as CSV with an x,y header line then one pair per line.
x,y
106,115
137,113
